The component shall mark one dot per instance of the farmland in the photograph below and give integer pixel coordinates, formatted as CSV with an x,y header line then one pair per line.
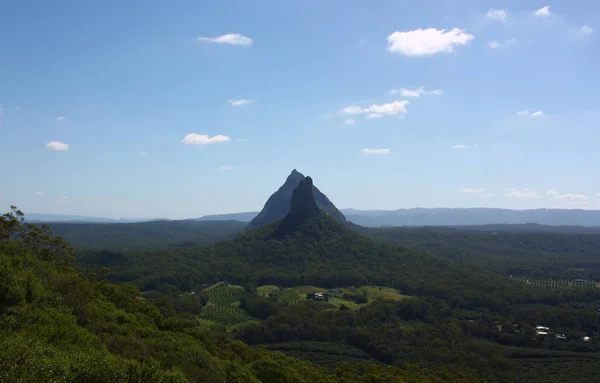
x,y
226,315
556,284
223,294
222,305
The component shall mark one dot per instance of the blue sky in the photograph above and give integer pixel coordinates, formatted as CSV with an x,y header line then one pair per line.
x,y
180,109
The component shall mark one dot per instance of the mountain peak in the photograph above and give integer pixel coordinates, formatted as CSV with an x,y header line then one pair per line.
x,y
280,202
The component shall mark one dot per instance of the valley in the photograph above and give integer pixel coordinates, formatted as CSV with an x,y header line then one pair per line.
x,y
305,291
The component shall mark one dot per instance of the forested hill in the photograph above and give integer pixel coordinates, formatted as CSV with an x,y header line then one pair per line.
x,y
146,235
319,252
57,325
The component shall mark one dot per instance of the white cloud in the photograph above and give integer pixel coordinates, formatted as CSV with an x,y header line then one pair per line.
x,y
1,109
378,111
231,38
60,118
241,140
203,139
464,146
469,190
352,110
417,92
226,168
497,14
39,194
552,193
571,197
585,30
543,12
527,113
240,102
376,151
57,146
144,153
486,195
507,43
426,42
349,121
522,194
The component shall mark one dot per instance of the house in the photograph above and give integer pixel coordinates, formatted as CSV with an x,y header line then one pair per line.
x,y
561,336
542,328
585,339
319,297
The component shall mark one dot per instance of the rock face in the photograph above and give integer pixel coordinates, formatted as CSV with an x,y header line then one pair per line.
x,y
279,204
303,200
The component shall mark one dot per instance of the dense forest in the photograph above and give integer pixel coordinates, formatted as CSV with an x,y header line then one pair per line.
x,y
458,316
59,325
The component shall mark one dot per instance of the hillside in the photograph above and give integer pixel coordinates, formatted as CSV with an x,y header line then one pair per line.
x,y
278,204
146,235
309,247
60,326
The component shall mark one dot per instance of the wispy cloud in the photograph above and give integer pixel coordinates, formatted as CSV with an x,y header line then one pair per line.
x,y
543,12
527,113
470,190
378,111
522,194
240,102
375,151
226,168
497,14
241,140
204,139
464,146
427,42
231,39
566,196
60,118
585,30
349,121
507,43
39,194
406,92
57,146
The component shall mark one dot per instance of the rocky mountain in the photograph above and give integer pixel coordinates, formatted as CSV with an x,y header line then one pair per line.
x,y
278,205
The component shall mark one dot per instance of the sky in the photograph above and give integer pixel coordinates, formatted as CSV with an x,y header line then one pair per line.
x,y
147,108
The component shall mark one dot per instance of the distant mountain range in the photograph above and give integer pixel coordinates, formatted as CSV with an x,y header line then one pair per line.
x,y
379,218
33,217
452,217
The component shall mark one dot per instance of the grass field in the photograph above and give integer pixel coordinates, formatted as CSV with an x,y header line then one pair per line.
x,y
265,290
309,289
380,292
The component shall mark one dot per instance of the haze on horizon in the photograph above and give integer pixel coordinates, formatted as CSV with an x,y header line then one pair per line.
x,y
183,111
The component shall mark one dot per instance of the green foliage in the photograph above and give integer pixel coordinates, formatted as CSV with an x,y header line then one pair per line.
x,y
227,315
58,326
288,297
556,284
224,294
